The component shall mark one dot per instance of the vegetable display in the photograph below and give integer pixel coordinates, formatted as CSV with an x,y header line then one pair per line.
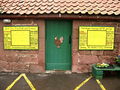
x,y
104,65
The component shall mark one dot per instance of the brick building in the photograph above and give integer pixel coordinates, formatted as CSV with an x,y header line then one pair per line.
x,y
57,42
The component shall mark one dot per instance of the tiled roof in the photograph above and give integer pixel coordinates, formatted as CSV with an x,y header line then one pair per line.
x,y
104,7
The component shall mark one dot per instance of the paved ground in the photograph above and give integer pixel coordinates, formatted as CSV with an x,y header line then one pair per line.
x,y
58,81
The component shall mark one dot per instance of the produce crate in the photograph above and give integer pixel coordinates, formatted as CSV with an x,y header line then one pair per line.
x,y
98,72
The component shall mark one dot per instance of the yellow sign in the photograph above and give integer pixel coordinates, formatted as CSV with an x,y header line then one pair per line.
x,y
96,38
21,37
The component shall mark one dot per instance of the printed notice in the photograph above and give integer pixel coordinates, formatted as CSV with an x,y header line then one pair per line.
x,y
96,38
21,37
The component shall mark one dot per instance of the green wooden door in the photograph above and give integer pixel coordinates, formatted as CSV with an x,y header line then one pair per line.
x,y
58,44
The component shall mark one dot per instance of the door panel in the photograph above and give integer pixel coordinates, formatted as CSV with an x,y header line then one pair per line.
x,y
58,58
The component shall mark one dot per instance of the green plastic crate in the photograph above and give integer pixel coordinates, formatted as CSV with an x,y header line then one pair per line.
x,y
98,77
97,72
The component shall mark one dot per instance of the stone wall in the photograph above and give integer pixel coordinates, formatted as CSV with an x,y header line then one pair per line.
x,y
82,60
33,61
19,60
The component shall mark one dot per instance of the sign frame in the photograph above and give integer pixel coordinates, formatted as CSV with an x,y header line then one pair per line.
x,y
33,29
79,46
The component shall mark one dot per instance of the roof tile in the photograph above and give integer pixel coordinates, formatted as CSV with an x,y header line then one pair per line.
x,y
103,13
87,5
110,12
97,12
90,12
89,8
103,7
104,1
117,12
98,1
84,11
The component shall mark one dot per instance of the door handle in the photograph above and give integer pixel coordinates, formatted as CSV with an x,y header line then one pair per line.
x,y
70,39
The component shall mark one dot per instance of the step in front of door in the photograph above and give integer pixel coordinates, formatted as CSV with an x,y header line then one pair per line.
x,y
58,66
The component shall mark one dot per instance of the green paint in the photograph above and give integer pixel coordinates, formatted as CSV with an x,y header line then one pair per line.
x,y
58,58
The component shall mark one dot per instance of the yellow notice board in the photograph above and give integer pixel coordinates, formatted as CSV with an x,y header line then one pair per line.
x,y
21,37
96,38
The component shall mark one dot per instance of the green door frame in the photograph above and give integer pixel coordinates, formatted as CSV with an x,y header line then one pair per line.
x,y
58,58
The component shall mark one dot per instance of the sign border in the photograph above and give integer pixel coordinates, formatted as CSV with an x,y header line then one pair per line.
x,y
24,48
93,49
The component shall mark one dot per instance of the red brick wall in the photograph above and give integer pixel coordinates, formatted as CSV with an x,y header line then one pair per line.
x,y
82,60
23,61
34,61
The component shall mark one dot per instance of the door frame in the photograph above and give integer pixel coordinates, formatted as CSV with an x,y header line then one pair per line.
x,y
71,39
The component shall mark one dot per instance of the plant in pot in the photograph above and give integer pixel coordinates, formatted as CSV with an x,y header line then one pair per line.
x,y
118,60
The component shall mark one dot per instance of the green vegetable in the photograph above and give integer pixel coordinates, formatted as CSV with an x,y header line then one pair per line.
x,y
102,65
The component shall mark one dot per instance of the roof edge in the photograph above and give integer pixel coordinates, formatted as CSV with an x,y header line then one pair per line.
x,y
63,16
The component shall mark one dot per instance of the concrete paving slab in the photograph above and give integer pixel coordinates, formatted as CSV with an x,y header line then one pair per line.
x,y
57,81
91,85
111,83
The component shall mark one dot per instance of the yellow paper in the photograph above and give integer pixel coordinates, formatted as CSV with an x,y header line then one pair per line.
x,y
21,37
96,38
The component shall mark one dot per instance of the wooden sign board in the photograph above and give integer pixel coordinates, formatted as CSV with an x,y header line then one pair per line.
x,y
21,37
96,38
